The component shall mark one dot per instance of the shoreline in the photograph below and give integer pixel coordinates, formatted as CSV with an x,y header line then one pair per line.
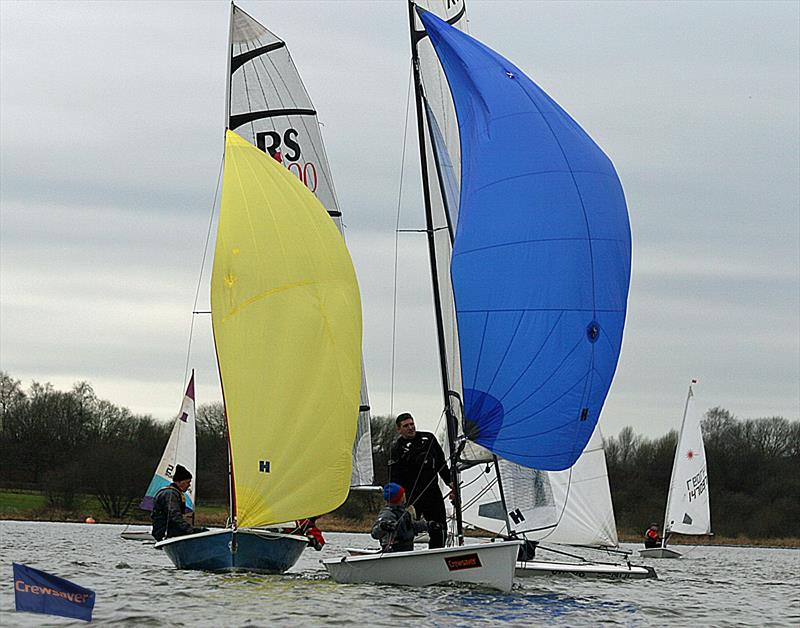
x,y
332,523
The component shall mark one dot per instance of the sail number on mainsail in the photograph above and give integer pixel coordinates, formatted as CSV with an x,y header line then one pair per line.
x,y
696,485
271,142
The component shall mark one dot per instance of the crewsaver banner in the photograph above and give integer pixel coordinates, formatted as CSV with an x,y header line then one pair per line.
x,y
37,591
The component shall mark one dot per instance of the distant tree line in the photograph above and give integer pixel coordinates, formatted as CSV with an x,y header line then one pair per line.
x,y
71,444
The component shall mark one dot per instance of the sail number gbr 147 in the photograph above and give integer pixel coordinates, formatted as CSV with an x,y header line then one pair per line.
x,y
287,150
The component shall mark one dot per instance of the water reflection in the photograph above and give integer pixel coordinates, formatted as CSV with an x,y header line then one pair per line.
x,y
528,606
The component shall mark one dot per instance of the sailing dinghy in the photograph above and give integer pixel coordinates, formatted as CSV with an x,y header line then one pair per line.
x,y
287,328
181,450
688,510
529,244
286,316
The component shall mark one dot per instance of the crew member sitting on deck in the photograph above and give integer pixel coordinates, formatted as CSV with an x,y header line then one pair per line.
x,y
651,538
395,528
169,506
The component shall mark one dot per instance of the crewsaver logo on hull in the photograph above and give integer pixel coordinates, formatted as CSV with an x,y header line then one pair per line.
x,y
465,561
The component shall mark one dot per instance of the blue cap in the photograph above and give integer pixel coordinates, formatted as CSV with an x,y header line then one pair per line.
x,y
393,493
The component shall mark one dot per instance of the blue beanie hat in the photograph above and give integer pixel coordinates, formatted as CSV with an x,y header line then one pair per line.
x,y
393,493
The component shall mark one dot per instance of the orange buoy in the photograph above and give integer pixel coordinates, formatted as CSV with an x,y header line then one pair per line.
x,y
90,519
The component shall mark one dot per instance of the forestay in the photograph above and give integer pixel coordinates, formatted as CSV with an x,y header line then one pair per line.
x,y
541,261
270,108
286,316
688,509
180,450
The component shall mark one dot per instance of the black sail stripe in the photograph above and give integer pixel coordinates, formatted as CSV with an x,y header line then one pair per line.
x,y
243,118
419,35
239,60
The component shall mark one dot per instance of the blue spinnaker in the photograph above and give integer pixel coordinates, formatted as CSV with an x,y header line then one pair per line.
x,y
540,265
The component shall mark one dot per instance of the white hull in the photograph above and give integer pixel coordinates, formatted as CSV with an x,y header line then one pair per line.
x,y
659,552
488,564
584,570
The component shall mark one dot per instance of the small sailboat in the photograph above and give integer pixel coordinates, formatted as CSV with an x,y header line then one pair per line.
x,y
688,510
181,450
286,317
529,245
563,508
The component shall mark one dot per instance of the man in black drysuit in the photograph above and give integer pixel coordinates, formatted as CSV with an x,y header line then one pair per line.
x,y
416,462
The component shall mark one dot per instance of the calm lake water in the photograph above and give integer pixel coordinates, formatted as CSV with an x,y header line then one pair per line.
x,y
137,585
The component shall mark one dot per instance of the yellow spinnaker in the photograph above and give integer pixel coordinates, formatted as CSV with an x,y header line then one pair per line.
x,y
286,314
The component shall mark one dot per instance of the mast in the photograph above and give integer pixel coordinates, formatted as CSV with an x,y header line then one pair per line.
x,y
674,464
231,485
452,431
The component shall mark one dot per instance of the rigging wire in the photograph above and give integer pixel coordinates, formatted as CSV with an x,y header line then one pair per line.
x,y
396,243
203,265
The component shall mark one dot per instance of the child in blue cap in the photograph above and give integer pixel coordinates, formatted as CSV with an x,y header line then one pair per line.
x,y
395,528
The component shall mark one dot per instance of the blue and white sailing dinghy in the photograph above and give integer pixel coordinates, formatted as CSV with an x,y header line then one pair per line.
x,y
181,450
286,316
688,510
529,243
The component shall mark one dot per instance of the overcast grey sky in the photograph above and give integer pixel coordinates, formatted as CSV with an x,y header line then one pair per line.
x,y
112,128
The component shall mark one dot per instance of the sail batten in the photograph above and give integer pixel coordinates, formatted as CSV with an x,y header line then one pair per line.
x,y
543,231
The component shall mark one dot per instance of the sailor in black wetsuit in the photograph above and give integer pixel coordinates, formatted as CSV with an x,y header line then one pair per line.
x,y
416,462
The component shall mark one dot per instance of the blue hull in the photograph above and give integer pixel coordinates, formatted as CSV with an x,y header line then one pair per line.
x,y
243,550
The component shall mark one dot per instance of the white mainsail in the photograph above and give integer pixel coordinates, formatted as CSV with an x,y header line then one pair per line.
x,y
270,108
688,510
570,507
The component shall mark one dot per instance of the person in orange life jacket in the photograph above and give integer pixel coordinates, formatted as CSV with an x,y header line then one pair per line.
x,y
309,528
169,506
395,528
416,462
651,537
